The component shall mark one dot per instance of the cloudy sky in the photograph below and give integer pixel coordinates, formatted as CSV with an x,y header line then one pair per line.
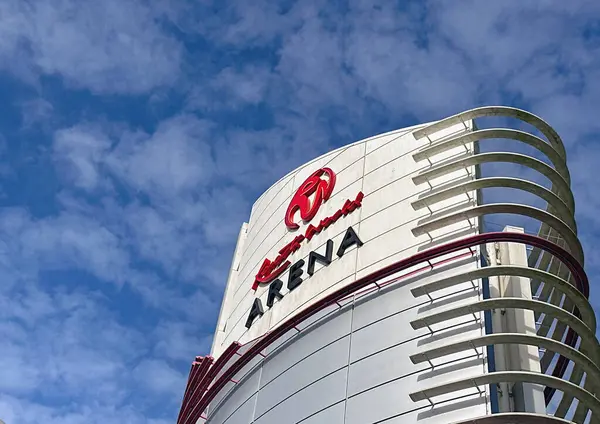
x,y
134,136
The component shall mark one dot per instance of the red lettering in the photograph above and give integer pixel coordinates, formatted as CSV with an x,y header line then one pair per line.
x,y
359,197
346,208
286,250
311,231
325,223
266,274
337,215
269,271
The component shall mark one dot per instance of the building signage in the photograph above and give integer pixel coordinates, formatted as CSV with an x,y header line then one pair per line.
x,y
296,271
270,270
320,190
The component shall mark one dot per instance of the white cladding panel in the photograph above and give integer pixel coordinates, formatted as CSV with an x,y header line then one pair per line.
x,y
353,367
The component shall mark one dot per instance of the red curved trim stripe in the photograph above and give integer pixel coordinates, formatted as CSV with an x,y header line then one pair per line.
x,y
574,266
199,369
191,377
201,388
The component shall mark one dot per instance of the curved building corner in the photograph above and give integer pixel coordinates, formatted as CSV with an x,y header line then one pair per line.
x,y
366,288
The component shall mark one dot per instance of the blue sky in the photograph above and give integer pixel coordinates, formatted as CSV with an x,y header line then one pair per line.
x,y
135,135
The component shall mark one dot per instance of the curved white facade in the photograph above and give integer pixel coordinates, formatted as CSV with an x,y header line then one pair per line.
x,y
392,316
381,167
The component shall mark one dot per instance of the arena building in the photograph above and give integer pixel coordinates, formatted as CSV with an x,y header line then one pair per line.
x,y
366,288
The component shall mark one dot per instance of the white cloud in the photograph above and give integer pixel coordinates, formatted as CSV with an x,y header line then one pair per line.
x,y
65,241
18,375
20,411
108,47
175,159
159,377
75,352
81,150
36,112
231,89
180,341
172,169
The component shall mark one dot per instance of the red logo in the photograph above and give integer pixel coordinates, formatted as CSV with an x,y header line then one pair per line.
x,y
322,189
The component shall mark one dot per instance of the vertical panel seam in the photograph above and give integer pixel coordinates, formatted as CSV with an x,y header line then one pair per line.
x,y
362,186
257,390
348,360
